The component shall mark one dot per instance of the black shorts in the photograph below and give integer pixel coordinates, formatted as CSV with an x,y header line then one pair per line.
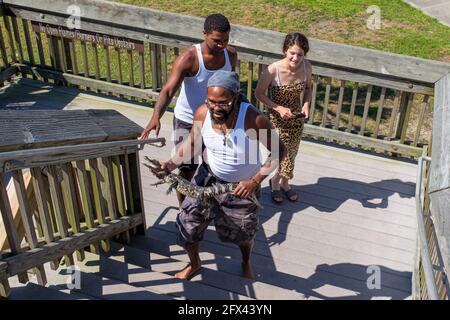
x,y
181,132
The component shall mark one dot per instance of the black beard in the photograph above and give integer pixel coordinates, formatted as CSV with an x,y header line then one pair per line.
x,y
222,121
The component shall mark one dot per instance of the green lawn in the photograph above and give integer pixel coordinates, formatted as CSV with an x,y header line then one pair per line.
x,y
404,30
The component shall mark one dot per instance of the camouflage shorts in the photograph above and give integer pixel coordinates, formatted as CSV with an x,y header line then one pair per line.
x,y
235,219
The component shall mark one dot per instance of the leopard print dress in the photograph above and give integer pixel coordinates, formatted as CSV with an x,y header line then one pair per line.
x,y
290,131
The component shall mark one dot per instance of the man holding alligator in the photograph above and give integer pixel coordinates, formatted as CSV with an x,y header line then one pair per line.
x,y
191,70
232,132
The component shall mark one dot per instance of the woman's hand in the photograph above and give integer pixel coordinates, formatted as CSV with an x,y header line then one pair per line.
x,y
246,188
305,111
284,112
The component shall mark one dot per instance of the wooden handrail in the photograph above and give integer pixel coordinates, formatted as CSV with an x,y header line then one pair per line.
x,y
262,46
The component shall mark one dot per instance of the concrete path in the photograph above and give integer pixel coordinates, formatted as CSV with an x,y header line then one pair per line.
x,y
439,9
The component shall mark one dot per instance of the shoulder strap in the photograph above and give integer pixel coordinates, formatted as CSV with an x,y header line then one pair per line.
x,y
277,77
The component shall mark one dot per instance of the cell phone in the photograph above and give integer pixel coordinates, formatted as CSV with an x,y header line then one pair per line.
x,y
299,115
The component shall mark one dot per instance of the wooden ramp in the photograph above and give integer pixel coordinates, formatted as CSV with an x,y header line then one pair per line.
x,y
355,220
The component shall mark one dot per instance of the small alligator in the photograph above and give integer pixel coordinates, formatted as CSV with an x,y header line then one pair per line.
x,y
188,188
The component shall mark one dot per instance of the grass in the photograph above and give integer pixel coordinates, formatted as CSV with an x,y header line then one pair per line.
x,y
404,30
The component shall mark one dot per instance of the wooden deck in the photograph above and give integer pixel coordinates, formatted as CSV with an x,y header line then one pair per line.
x,y
356,211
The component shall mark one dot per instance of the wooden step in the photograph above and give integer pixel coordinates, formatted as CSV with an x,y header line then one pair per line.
x,y
114,265
33,291
324,281
101,287
211,275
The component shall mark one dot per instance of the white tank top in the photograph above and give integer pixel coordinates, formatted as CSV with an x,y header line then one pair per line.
x,y
194,89
240,158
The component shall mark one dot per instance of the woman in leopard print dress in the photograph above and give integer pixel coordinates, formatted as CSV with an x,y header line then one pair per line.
x,y
285,80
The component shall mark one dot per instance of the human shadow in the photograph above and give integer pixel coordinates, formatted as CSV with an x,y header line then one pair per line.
x,y
340,281
326,196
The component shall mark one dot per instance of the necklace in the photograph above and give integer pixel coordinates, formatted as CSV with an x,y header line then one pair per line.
x,y
227,141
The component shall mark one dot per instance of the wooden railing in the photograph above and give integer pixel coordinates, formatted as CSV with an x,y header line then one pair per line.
x,y
367,98
430,279
83,195
68,194
436,201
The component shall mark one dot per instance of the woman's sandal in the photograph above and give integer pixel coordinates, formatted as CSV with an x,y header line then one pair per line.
x,y
289,193
275,194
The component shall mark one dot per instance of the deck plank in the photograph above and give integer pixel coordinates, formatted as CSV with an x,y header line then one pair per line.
x,y
356,210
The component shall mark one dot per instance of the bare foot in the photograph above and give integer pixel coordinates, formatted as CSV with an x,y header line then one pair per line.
x,y
248,271
187,272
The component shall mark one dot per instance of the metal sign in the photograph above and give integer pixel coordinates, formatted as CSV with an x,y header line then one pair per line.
x,y
97,38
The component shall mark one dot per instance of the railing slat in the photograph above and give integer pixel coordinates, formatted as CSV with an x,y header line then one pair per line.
x,y
108,63
10,38
155,56
118,191
87,197
8,222
406,115
366,109
85,59
119,66
58,207
70,195
250,82
96,61
40,48
423,108
108,186
99,201
5,289
61,54
142,69
138,199
164,64
53,55
17,38
379,112
352,107
130,68
394,114
73,55
339,105
26,215
313,99
3,48
326,102
127,184
26,32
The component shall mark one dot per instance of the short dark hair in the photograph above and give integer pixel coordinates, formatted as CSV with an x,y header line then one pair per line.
x,y
216,22
296,38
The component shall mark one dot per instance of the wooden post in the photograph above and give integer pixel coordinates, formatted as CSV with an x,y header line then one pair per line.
x,y
136,186
155,51
440,167
405,108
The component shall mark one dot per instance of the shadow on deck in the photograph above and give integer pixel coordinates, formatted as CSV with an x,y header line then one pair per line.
x,y
351,236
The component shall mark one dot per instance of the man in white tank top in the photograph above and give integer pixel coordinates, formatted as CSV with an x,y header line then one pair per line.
x,y
216,124
191,70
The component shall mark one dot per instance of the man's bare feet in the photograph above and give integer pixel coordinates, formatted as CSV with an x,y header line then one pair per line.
x,y
247,270
188,272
